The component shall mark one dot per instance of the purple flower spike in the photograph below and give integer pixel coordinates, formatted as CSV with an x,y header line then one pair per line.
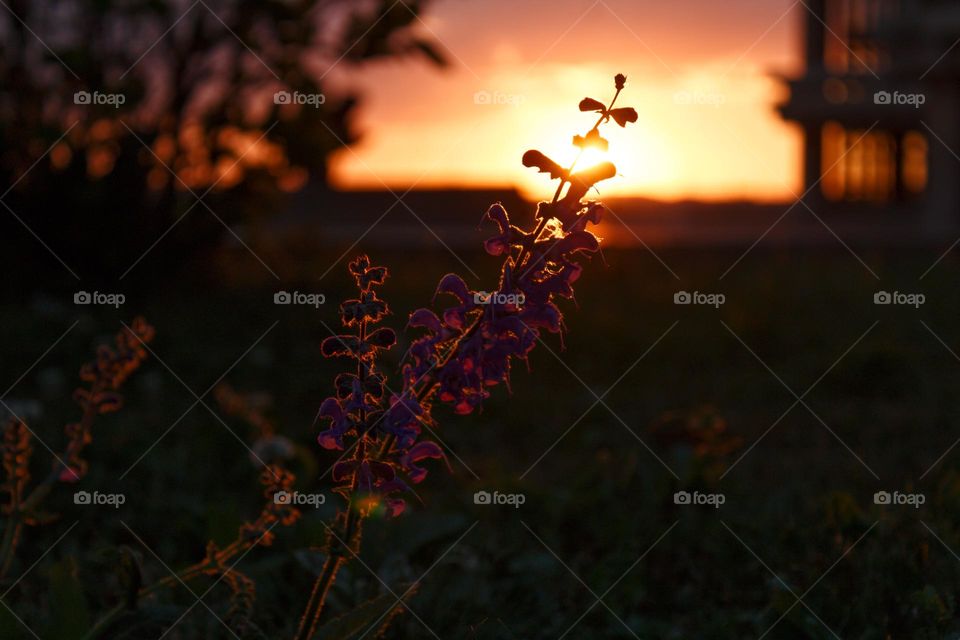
x,y
467,345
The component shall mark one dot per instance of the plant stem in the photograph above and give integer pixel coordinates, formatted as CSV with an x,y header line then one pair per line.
x,y
11,536
311,615
104,622
525,251
328,575
351,526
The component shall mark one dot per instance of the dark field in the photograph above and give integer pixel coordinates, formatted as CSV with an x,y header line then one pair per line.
x,y
599,519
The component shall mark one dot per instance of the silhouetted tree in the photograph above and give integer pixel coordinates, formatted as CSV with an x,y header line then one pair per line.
x,y
134,106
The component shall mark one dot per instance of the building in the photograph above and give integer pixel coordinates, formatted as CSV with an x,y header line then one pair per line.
x,y
879,106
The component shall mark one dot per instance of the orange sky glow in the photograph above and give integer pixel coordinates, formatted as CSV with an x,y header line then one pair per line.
x,y
701,76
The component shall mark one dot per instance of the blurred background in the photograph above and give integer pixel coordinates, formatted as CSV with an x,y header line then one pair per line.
x,y
799,158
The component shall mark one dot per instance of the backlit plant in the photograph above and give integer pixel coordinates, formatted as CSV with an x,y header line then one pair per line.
x,y
466,349
103,378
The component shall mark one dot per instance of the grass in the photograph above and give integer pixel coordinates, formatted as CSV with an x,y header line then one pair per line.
x,y
597,499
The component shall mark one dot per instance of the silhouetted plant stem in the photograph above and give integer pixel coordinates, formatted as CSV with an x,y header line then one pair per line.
x,y
463,352
328,575
311,615
563,180
40,492
105,376
348,539
11,536
350,536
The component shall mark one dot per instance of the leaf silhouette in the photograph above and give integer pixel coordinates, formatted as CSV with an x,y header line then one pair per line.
x,y
428,49
623,115
594,174
581,181
382,338
589,104
593,139
534,158
340,346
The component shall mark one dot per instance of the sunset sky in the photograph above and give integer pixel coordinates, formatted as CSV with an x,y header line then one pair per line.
x,y
701,75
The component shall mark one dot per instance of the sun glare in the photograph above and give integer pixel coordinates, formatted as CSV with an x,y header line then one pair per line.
x,y
590,157
729,149
632,154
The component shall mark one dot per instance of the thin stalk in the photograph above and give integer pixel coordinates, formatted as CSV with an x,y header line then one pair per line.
x,y
308,623
351,528
11,535
328,575
524,252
